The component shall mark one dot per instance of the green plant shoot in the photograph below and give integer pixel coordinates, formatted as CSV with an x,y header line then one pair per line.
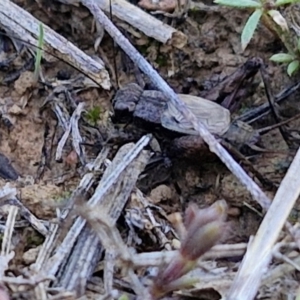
x,y
266,11
250,27
39,52
93,115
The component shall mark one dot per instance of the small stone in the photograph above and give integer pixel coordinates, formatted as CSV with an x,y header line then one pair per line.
x,y
30,256
160,193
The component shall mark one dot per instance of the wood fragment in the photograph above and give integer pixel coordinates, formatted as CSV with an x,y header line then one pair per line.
x,y
30,217
43,256
9,228
149,25
109,205
219,251
86,182
73,129
104,186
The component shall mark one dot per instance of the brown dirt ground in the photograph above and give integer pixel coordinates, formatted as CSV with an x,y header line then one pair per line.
x,y
213,51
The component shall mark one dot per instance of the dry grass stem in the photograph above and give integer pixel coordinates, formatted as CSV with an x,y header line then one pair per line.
x,y
260,248
144,22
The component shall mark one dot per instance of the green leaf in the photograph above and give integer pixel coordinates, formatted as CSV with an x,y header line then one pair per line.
x,y
239,3
250,27
39,52
282,58
283,2
293,67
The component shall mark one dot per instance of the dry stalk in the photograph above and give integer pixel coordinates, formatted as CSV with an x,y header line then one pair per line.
x,y
6,253
156,258
30,217
106,183
73,129
280,271
43,256
102,218
8,232
144,22
259,252
284,257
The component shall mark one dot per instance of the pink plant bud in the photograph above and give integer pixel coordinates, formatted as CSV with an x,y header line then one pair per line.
x,y
175,269
190,214
204,229
221,208
167,276
195,215
200,240
3,293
